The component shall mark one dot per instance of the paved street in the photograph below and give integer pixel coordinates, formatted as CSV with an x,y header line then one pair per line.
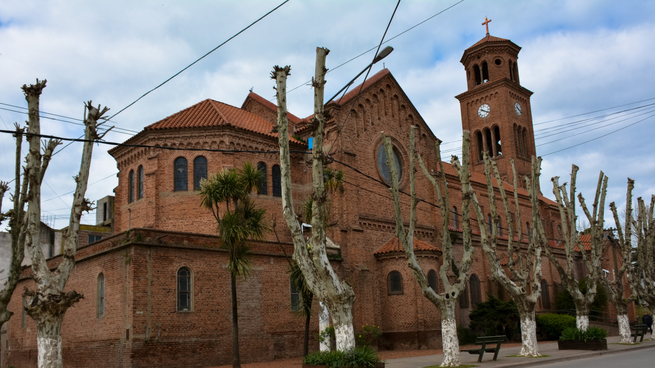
x,y
615,353
636,359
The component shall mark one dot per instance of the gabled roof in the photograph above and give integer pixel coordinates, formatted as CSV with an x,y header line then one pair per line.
x,y
354,91
585,240
394,246
269,105
210,113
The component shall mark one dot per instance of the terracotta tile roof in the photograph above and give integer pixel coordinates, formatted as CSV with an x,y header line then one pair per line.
x,y
503,261
268,104
210,113
394,246
488,38
585,240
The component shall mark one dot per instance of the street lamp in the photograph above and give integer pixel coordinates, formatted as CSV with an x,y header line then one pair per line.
x,y
384,53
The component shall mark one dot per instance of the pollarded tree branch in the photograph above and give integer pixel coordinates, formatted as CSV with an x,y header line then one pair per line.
x,y
312,258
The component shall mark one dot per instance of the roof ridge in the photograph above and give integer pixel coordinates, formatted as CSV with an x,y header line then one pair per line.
x,y
220,112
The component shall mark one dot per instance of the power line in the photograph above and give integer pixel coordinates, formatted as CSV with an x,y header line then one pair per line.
x,y
604,135
197,60
356,97
374,47
145,145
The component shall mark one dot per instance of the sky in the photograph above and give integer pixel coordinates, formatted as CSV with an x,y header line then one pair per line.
x,y
586,62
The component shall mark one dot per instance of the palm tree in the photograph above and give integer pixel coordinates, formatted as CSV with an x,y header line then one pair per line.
x,y
241,222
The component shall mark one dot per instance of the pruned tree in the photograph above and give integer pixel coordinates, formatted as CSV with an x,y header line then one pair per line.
x,y
573,247
522,277
642,277
636,240
17,230
622,267
48,304
446,300
311,254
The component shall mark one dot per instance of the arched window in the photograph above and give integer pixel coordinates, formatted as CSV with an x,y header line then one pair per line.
x,y
511,71
527,231
130,190
180,175
184,290
394,283
489,224
499,150
382,164
276,176
545,295
295,297
476,294
263,187
485,72
476,73
455,218
139,182
516,72
464,298
480,142
432,280
499,227
487,140
199,171
524,142
100,302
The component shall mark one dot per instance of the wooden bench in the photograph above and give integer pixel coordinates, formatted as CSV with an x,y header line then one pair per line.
x,y
487,341
640,331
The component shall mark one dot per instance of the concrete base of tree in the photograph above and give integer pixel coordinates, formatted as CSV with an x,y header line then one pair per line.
x,y
582,345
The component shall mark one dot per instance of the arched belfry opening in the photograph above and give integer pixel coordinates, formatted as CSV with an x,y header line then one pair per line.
x,y
497,147
485,72
476,73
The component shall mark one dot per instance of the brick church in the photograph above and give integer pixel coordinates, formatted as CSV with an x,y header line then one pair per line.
x,y
157,292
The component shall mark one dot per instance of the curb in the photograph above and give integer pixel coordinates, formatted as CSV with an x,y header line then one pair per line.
x,y
575,357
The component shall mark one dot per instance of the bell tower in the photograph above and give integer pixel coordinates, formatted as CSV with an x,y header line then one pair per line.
x,y
496,108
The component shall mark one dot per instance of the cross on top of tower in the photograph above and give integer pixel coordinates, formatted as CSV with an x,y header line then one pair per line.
x,y
486,23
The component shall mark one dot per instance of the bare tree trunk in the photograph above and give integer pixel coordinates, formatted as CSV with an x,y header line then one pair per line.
x,y
17,230
311,256
523,264
445,301
573,246
236,361
449,339
624,266
48,304
323,324
529,347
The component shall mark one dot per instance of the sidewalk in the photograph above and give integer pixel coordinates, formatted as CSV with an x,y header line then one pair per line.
x,y
504,359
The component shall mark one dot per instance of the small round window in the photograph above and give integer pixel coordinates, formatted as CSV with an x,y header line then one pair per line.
x,y
382,164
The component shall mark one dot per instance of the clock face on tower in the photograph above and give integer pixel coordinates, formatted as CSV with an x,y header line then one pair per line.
x,y
483,110
517,108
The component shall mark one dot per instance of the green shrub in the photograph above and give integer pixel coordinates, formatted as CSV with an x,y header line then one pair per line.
x,y
552,325
358,357
592,333
495,317
369,334
466,336
564,300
